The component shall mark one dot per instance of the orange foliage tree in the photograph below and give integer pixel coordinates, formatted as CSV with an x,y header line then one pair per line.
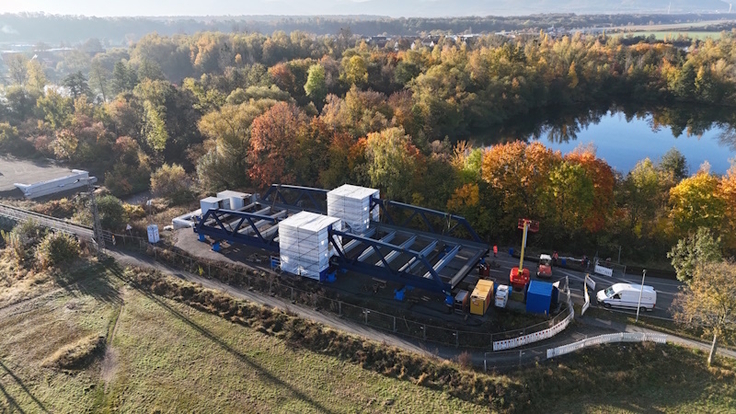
x,y
274,147
603,183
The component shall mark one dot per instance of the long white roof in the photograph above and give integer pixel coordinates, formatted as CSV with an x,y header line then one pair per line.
x,y
352,191
309,221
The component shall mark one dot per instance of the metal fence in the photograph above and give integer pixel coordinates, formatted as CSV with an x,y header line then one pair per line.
x,y
273,284
605,339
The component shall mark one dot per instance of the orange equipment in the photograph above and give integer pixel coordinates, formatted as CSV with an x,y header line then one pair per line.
x,y
519,277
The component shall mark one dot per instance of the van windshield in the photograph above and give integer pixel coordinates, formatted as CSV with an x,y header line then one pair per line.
x,y
608,292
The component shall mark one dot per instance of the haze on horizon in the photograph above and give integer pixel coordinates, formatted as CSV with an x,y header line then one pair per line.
x,y
392,8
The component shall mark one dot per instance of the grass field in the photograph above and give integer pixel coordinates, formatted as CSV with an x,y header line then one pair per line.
x,y
673,35
167,357
164,356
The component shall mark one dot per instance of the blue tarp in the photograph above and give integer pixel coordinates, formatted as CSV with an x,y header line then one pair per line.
x,y
539,297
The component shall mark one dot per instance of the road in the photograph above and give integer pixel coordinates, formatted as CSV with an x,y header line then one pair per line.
x,y
507,359
666,288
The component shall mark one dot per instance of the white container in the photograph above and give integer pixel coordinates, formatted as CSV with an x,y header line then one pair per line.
x,y
502,296
304,244
210,203
352,204
233,200
153,233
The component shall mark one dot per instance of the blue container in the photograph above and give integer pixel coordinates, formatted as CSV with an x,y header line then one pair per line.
x,y
539,297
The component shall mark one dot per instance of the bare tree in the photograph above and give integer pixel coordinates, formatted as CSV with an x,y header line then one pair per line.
x,y
709,301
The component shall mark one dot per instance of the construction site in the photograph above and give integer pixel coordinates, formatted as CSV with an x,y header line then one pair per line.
x,y
352,241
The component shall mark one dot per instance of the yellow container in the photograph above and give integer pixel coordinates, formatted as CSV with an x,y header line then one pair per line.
x,y
481,297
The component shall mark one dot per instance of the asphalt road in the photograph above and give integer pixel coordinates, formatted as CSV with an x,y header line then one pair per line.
x,y
666,288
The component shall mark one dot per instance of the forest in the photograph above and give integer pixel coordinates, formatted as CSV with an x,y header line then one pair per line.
x,y
52,29
198,113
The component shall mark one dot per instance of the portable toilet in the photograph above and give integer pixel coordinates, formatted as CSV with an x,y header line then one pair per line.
x,y
539,297
480,299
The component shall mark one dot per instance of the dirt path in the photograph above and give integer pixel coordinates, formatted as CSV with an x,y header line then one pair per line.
x,y
110,360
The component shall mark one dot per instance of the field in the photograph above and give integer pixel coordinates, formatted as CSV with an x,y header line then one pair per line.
x,y
164,356
673,35
161,355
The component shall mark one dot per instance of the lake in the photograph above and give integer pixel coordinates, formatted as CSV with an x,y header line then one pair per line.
x,y
623,137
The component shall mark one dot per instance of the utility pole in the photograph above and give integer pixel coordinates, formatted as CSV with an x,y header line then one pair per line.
x,y
638,305
99,238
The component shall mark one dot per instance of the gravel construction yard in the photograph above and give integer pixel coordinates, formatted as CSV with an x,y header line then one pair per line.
x,y
14,170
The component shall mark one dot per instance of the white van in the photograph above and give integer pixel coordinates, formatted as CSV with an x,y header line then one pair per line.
x,y
626,295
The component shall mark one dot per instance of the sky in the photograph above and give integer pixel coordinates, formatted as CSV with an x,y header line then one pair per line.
x,y
178,7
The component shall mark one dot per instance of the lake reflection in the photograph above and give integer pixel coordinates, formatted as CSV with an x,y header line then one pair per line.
x,y
623,137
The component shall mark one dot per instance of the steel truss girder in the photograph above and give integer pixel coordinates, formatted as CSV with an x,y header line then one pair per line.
x,y
293,195
220,231
424,213
383,270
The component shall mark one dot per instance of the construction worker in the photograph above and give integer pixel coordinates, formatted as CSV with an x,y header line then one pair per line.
x,y
555,257
495,250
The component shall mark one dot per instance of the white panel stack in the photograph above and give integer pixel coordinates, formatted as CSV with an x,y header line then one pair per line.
x,y
304,245
352,204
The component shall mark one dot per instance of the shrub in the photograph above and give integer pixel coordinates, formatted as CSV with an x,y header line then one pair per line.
x,y
171,182
112,213
57,248
22,238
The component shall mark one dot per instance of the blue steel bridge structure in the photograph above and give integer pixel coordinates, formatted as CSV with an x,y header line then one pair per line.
x,y
413,246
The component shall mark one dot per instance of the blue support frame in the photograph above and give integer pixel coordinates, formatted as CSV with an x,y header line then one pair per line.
x,y
424,214
221,231
382,268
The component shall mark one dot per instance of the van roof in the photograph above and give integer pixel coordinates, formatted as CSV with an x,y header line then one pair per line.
x,y
629,286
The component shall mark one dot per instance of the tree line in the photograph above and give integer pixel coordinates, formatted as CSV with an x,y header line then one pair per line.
x,y
39,27
242,111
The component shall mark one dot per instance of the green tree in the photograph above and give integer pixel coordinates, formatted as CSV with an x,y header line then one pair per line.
x,y
391,162
17,64
124,78
709,302
112,213
36,75
675,164
694,252
316,86
568,197
642,191
77,85
99,78
57,109
355,70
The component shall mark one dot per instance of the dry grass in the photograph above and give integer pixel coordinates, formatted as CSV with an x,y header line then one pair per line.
x,y
78,354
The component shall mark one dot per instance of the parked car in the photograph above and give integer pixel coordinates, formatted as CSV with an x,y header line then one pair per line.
x,y
626,295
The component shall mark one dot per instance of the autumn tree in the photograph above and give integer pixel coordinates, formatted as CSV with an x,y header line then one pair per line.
x,y
273,147
519,172
228,131
17,64
696,203
642,191
603,181
568,198
171,182
709,302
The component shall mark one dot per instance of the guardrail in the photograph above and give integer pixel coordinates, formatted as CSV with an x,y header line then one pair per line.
x,y
46,221
606,339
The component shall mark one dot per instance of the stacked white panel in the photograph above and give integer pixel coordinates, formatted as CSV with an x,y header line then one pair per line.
x,y
304,244
352,204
